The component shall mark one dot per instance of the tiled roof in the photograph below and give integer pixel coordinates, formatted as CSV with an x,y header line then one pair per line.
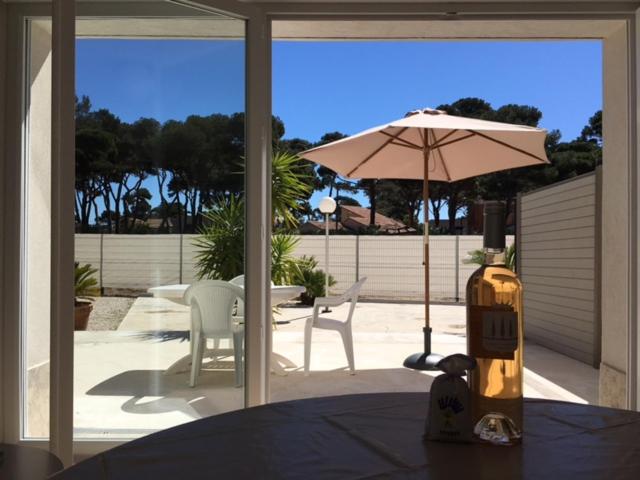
x,y
358,217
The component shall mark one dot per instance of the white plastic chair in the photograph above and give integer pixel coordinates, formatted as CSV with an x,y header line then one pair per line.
x,y
239,312
324,323
212,303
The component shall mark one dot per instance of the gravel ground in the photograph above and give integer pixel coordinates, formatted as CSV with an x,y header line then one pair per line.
x,y
108,312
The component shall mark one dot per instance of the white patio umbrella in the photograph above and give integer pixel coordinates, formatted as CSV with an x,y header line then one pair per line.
x,y
428,144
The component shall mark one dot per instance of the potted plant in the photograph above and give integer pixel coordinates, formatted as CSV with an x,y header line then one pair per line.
x,y
85,287
312,279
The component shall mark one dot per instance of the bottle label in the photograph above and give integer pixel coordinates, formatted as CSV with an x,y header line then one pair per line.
x,y
493,332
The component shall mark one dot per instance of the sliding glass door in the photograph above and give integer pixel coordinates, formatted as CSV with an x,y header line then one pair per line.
x,y
165,181
160,150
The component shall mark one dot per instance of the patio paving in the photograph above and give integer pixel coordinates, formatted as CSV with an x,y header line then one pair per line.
x,y
121,376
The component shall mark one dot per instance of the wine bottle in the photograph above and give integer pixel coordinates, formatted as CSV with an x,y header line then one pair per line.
x,y
495,338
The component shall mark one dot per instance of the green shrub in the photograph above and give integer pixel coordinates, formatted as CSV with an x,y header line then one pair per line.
x,y
220,246
221,242
477,256
312,279
85,285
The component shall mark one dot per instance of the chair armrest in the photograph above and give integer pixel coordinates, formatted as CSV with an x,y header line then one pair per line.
x,y
328,301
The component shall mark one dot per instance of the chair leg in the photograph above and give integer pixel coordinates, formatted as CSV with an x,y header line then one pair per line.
x,y
237,358
347,340
196,358
308,328
216,347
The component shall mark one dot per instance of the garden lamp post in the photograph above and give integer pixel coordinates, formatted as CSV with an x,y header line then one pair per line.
x,y
327,206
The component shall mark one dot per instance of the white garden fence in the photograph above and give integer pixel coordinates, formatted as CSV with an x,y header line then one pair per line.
x,y
392,264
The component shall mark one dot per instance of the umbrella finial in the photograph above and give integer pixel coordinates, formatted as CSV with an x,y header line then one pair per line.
x,y
425,111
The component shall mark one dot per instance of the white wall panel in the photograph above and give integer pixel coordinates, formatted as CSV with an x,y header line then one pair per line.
x,y
558,267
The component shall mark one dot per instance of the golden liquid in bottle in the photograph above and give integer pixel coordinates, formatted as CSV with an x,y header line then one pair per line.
x,y
496,383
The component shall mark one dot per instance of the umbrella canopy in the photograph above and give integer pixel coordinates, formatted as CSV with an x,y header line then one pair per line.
x,y
428,144
458,148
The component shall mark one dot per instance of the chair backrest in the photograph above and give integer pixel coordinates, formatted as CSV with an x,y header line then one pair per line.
x,y
354,290
239,281
352,295
212,303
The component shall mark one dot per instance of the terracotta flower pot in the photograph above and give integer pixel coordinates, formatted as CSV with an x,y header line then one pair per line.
x,y
82,312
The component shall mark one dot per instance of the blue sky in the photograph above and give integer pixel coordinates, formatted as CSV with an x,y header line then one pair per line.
x,y
320,87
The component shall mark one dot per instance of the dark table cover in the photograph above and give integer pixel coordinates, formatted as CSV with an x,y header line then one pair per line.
x,y
27,463
374,436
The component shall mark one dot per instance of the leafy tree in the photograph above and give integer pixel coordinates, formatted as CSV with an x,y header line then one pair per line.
x,y
347,201
592,132
370,188
294,145
401,199
327,177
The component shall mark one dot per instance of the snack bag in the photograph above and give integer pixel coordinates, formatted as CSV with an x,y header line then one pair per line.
x,y
449,416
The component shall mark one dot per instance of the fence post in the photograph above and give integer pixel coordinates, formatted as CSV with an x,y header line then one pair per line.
x,y
180,271
357,257
101,262
457,256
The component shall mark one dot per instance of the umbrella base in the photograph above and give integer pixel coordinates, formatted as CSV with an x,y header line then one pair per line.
x,y
423,361
426,360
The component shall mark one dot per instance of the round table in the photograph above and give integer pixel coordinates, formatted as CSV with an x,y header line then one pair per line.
x,y
374,436
279,293
27,463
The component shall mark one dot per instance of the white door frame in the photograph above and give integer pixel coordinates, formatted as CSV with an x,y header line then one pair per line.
x,y
624,276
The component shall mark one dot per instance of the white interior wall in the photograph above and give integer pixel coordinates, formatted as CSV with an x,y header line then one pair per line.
x,y
38,231
615,221
38,196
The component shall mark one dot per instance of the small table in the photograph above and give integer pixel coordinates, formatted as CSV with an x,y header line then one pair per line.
x,y
375,436
27,463
279,295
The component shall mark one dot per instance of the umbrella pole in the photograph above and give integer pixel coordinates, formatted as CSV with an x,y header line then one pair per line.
x,y
425,360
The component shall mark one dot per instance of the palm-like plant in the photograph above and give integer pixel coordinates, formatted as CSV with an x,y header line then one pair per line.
x,y
291,183
221,242
283,264
477,256
221,246
85,285
312,279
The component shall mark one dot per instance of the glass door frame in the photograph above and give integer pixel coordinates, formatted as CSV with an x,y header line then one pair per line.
x,y
258,212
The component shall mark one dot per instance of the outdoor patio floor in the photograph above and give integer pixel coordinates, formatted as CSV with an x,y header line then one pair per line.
x,y
122,383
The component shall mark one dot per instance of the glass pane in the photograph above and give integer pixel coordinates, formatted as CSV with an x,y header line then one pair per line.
x,y
159,205
36,230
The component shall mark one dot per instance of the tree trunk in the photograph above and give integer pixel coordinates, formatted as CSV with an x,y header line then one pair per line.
x,y
95,210
372,201
107,205
452,210
435,206
338,212
161,177
116,201
194,197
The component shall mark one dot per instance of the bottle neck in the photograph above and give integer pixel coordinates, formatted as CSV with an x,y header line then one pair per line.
x,y
494,256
